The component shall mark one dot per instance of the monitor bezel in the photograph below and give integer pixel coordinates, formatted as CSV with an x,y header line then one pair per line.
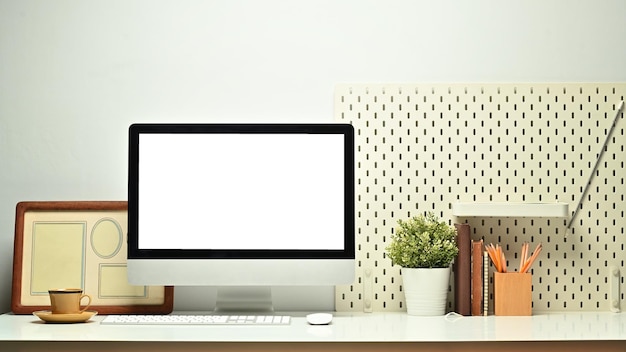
x,y
136,130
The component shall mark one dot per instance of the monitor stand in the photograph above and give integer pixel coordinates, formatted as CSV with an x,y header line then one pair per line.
x,y
239,299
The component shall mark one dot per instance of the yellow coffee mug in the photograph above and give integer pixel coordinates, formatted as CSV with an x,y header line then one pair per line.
x,y
67,300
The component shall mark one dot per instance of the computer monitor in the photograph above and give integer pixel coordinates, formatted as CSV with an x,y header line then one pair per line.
x,y
241,206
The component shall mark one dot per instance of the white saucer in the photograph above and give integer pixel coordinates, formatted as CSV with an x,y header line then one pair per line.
x,y
49,317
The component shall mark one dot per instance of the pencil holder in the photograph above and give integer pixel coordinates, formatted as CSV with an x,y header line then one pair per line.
x,y
512,293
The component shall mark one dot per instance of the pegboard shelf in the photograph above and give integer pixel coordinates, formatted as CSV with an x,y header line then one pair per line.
x,y
510,209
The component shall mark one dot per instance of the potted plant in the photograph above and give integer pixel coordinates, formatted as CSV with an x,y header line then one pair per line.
x,y
425,247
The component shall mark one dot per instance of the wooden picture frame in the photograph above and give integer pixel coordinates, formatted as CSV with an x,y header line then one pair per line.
x,y
78,244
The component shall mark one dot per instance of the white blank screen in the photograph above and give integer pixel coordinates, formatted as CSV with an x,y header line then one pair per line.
x,y
241,191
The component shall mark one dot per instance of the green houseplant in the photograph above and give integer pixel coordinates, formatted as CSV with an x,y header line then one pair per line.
x,y
423,241
425,247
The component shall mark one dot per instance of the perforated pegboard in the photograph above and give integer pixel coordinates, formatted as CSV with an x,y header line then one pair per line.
x,y
423,147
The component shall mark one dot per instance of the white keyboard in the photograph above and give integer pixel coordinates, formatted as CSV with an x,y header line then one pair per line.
x,y
196,319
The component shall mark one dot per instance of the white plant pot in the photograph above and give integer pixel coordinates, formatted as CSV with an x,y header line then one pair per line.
x,y
426,290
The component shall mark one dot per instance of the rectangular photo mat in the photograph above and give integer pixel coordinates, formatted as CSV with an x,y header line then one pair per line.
x,y
78,244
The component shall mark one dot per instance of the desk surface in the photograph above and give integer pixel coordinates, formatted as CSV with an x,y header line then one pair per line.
x,y
375,327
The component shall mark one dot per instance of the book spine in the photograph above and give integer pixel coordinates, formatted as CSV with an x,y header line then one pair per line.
x,y
485,283
477,277
462,271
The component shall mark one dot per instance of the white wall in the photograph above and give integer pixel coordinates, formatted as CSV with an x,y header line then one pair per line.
x,y
75,73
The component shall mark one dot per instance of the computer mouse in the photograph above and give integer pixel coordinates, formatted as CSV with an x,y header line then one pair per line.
x,y
319,318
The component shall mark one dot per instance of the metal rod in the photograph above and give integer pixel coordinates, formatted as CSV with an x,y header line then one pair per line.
x,y
595,166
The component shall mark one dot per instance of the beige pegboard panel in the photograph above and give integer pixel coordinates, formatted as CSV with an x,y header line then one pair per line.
x,y
422,147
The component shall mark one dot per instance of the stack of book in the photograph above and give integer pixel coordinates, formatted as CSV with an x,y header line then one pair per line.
x,y
470,274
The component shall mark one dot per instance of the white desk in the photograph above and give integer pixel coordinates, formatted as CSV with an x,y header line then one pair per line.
x,y
363,332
